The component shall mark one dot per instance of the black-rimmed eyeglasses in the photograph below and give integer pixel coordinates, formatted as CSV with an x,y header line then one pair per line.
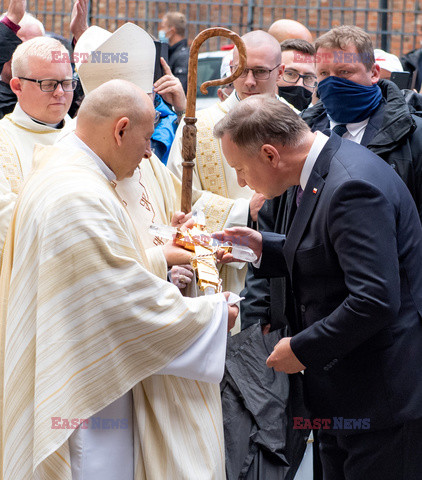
x,y
293,77
258,73
51,85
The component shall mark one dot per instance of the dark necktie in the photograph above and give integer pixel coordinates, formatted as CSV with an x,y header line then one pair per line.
x,y
340,129
299,193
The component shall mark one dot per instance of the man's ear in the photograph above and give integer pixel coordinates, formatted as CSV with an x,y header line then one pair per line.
x,y
16,86
270,154
120,130
375,73
280,71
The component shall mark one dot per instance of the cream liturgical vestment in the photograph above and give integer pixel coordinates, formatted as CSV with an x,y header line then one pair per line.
x,y
83,321
18,135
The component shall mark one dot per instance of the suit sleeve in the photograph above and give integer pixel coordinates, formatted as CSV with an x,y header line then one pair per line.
x,y
256,307
362,228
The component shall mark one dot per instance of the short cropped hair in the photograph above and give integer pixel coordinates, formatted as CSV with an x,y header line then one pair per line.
x,y
298,44
262,119
178,21
39,47
346,35
29,19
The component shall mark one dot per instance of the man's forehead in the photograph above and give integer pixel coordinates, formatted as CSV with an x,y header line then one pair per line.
x,y
256,56
48,68
299,61
341,56
232,151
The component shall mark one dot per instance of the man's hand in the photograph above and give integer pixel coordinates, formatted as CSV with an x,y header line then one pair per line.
x,y
16,10
283,359
241,236
233,312
180,218
181,276
255,205
170,88
79,18
176,255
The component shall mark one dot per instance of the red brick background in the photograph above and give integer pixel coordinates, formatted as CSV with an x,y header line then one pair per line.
x,y
318,15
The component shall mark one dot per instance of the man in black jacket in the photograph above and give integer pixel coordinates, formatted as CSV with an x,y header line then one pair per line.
x,y
352,253
390,128
173,29
12,33
368,110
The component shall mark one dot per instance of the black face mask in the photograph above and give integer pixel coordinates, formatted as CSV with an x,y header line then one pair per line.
x,y
299,97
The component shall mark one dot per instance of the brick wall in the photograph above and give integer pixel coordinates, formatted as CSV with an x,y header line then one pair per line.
x,y
318,15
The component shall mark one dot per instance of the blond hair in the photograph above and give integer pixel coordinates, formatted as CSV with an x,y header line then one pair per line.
x,y
176,20
346,35
29,19
39,47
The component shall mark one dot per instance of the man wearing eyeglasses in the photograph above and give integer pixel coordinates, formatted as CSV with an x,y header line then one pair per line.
x,y
298,82
211,171
44,89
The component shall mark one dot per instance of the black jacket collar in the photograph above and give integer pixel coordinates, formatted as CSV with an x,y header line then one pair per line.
x,y
388,125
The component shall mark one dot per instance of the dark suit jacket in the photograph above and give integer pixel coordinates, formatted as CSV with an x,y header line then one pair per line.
x,y
354,256
8,43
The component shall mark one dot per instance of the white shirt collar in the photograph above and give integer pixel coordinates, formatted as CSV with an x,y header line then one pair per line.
x,y
353,128
73,140
22,118
317,146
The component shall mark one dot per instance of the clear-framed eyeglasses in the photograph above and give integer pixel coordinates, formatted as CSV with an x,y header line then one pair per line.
x,y
258,73
293,77
49,85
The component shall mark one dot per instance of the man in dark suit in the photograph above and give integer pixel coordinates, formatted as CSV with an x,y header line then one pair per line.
x,y
353,254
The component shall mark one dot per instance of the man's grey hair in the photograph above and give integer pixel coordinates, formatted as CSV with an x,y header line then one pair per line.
x,y
39,47
259,120
29,19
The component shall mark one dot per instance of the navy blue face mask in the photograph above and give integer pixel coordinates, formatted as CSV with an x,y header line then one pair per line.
x,y
346,101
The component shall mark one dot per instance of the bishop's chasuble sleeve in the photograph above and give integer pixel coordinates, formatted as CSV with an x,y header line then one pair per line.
x,y
180,424
83,322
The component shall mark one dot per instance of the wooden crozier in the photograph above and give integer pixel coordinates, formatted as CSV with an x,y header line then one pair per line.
x,y
189,130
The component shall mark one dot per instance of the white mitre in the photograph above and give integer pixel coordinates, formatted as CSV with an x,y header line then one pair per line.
x,y
128,54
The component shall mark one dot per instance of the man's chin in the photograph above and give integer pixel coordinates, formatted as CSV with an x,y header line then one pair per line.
x,y
249,94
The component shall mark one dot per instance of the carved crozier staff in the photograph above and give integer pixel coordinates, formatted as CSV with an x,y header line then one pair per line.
x,y
189,130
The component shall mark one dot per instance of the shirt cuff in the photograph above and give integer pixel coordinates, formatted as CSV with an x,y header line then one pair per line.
x,y
257,263
10,24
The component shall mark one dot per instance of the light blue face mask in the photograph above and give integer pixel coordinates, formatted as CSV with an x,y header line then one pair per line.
x,y
162,36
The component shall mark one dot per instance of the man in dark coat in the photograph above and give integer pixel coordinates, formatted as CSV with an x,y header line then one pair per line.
x,y
391,129
352,254
173,30
373,111
9,40
412,62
